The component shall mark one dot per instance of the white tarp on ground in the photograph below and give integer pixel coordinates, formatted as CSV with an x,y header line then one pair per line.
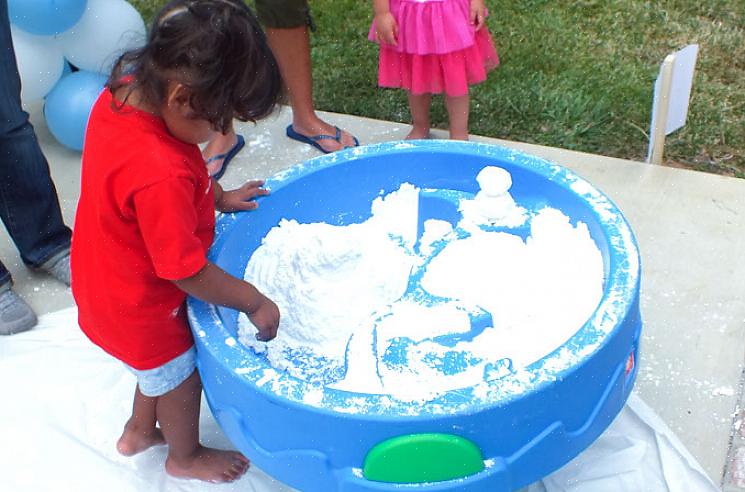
x,y
64,403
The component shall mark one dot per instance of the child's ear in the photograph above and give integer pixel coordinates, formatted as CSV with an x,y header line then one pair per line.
x,y
178,98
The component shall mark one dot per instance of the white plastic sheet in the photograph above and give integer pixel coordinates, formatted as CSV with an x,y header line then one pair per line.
x,y
64,403
637,453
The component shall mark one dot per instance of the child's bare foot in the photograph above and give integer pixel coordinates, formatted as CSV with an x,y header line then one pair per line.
x,y
418,133
135,441
209,465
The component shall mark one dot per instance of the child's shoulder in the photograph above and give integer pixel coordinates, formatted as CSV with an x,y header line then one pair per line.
x,y
145,157
163,156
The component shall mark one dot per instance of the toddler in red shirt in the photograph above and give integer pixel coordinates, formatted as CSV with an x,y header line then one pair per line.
x,y
146,215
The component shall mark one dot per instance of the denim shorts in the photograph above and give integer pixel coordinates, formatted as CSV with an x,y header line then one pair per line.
x,y
161,380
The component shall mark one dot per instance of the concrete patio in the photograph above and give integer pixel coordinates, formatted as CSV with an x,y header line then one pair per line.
x,y
690,227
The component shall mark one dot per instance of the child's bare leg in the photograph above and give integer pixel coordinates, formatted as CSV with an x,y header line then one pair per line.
x,y
457,107
140,432
178,414
419,105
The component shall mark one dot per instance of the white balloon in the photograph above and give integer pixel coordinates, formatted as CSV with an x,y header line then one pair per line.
x,y
107,29
40,63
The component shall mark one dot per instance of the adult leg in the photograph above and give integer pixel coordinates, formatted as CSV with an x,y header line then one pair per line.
x,y
457,107
178,414
26,207
419,105
29,207
291,47
140,432
286,23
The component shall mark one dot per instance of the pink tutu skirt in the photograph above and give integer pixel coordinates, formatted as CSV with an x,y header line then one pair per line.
x,y
438,50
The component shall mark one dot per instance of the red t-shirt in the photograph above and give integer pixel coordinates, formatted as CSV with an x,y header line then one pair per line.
x,y
146,216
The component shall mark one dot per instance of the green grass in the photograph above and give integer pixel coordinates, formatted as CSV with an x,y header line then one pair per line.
x,y
577,75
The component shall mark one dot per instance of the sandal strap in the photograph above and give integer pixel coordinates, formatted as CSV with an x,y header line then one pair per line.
x,y
323,136
216,157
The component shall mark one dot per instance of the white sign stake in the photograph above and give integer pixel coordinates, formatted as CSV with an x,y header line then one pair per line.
x,y
672,92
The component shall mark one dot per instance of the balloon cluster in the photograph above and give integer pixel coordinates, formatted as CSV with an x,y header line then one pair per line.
x,y
65,50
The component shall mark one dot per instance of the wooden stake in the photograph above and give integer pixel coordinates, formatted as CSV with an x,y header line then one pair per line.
x,y
660,118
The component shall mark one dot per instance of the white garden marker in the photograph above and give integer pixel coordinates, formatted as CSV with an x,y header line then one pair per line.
x,y
672,91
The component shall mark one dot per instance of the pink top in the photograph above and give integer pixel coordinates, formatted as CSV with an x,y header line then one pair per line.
x,y
431,26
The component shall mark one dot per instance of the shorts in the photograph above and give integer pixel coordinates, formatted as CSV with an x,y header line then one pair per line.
x,y
284,14
161,380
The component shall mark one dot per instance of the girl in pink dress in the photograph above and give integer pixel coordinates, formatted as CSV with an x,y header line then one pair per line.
x,y
433,47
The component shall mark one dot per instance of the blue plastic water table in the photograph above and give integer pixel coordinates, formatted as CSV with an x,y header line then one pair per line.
x,y
500,436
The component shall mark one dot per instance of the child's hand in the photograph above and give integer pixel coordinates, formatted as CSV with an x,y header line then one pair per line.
x,y
242,198
478,13
386,29
265,318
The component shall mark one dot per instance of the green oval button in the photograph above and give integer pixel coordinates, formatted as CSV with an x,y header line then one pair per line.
x,y
419,458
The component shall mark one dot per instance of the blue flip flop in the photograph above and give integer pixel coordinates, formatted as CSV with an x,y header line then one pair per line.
x,y
227,156
316,138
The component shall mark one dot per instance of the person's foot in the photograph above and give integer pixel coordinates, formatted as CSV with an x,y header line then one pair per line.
x,y
58,268
220,145
209,465
133,441
320,127
15,315
417,133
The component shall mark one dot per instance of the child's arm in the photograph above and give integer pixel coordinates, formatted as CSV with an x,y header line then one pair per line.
x,y
478,13
214,285
386,29
239,199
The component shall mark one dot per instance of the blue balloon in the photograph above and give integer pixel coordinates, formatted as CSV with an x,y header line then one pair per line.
x,y
46,17
69,104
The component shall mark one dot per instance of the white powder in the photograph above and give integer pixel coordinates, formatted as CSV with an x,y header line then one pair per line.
x,y
538,292
723,391
494,181
328,280
434,230
364,311
493,204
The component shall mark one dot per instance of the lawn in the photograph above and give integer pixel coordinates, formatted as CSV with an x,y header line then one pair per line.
x,y
577,75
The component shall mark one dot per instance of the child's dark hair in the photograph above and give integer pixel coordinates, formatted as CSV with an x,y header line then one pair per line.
x,y
215,48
